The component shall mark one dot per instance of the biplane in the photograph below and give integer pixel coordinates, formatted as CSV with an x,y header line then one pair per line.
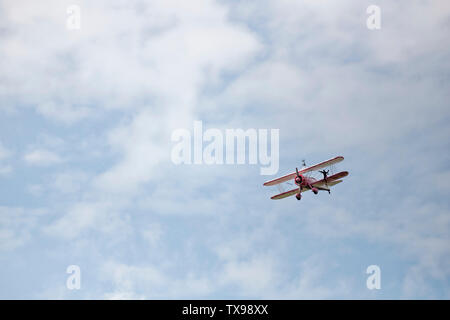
x,y
305,181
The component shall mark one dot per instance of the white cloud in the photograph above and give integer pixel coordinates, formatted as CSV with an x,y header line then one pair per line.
x,y
310,281
253,276
5,154
63,113
419,231
120,58
17,225
152,233
69,181
95,216
5,169
149,282
64,183
42,157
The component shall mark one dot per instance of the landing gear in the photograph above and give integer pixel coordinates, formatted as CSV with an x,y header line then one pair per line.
x,y
314,189
298,181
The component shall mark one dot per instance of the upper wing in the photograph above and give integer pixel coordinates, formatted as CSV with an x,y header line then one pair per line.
x,y
322,164
311,168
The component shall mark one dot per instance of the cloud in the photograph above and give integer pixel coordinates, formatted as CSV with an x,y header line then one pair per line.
x,y
163,52
5,169
69,182
149,282
17,225
420,231
4,154
63,113
253,276
152,233
312,281
42,157
89,216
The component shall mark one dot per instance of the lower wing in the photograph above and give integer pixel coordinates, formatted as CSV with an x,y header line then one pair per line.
x,y
330,179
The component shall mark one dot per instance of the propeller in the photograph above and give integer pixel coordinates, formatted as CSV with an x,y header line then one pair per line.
x,y
299,178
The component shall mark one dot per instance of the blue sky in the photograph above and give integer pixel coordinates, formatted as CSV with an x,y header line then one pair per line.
x,y
86,177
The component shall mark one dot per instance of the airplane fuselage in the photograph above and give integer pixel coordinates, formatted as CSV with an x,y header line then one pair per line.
x,y
304,181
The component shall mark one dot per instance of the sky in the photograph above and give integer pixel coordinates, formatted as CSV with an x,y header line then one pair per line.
x,y
86,176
